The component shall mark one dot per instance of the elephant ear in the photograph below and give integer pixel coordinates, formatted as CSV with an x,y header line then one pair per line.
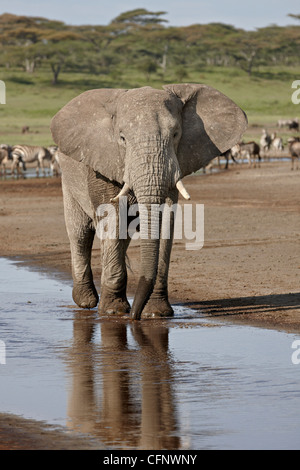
x,y
211,125
83,130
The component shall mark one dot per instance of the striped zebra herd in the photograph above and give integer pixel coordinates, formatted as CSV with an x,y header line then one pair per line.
x,y
270,145
46,158
18,156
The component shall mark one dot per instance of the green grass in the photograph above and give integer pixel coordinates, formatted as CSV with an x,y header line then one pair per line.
x,y
31,99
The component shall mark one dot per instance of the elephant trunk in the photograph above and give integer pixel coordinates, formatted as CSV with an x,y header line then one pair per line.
x,y
151,171
150,226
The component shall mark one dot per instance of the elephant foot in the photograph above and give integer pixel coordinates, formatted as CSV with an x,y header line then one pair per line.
x,y
158,308
85,295
113,303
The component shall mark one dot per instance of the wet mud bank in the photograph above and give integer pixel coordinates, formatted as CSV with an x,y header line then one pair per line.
x,y
17,433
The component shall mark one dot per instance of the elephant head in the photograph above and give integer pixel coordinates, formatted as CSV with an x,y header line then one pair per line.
x,y
148,140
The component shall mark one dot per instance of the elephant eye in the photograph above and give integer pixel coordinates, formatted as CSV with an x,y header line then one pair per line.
x,y
122,139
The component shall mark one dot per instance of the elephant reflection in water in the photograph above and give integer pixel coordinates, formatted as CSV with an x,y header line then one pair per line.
x,y
135,406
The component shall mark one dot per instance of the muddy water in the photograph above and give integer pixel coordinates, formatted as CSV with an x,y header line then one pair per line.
x,y
185,383
29,173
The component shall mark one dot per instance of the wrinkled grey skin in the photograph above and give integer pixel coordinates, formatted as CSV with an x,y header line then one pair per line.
x,y
148,139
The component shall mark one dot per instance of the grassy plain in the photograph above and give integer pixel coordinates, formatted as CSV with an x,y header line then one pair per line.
x,y
32,100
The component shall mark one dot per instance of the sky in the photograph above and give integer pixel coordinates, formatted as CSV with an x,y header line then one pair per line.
x,y
249,15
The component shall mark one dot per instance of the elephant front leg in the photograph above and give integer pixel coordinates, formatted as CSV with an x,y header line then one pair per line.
x,y
81,235
84,292
113,299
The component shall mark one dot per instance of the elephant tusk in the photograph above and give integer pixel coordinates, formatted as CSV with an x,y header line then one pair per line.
x,y
125,190
182,190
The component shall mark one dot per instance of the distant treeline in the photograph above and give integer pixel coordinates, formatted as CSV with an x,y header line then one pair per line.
x,y
140,39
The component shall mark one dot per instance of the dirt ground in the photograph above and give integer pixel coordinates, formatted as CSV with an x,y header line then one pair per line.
x,y
248,270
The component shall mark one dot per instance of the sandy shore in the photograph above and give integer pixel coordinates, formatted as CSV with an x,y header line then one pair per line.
x,y
248,270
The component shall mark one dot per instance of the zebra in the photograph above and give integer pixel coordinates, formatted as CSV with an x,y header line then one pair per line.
x,y
30,154
54,165
265,140
6,158
251,151
265,143
8,148
276,142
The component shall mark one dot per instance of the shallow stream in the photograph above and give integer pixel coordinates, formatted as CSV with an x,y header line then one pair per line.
x,y
188,383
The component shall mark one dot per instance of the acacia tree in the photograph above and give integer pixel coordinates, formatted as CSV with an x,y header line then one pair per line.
x,y
59,55
211,44
140,39
163,44
147,66
140,17
279,44
246,50
297,17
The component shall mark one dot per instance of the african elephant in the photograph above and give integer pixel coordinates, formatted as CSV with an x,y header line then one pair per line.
x,y
140,142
